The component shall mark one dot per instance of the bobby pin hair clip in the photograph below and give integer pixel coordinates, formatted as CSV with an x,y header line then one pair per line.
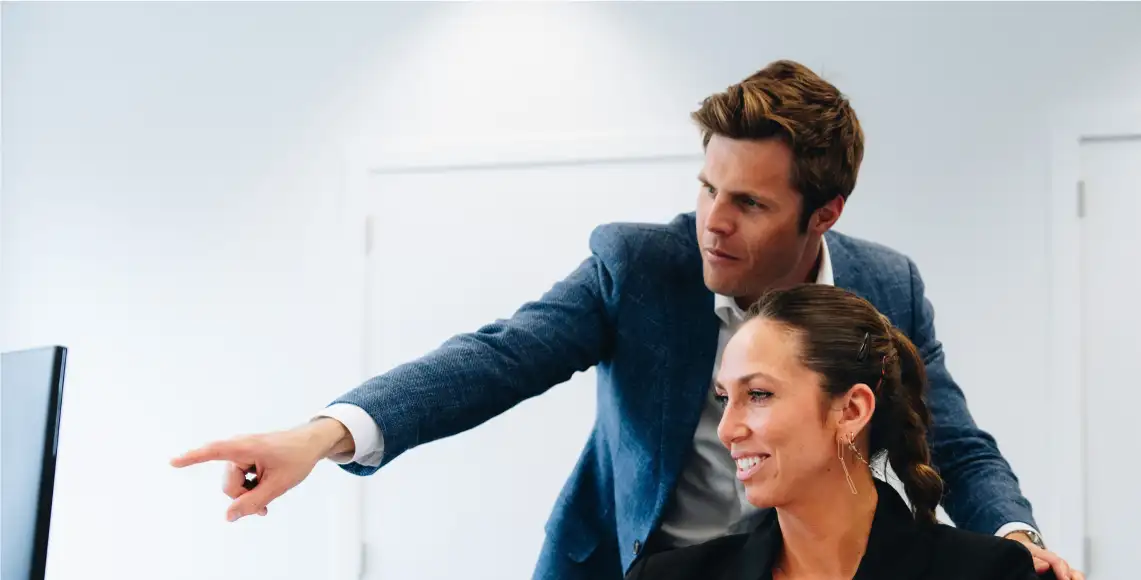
x,y
865,345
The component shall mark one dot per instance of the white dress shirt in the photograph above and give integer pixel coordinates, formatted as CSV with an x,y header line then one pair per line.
x,y
709,501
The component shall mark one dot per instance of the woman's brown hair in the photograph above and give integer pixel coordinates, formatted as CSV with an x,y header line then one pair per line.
x,y
847,341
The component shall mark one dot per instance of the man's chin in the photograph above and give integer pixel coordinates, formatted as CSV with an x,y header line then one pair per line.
x,y
736,288
724,288
718,284
721,289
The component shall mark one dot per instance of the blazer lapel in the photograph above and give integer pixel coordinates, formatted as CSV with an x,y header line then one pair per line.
x,y
693,344
896,548
690,339
851,273
755,559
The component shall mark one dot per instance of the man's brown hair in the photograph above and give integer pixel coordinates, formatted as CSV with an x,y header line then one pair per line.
x,y
787,101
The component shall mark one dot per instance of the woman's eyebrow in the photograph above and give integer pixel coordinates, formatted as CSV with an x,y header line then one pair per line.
x,y
746,379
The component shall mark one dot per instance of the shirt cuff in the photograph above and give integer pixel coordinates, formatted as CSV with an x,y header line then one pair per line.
x,y
1015,527
368,441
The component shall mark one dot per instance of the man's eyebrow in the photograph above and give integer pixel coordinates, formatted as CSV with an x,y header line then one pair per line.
x,y
752,194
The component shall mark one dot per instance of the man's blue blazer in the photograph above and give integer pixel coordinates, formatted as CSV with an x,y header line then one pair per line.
x,y
639,311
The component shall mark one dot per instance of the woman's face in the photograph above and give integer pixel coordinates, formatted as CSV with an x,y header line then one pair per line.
x,y
777,422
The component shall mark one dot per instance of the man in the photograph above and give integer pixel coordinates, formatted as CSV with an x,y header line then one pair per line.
x,y
652,308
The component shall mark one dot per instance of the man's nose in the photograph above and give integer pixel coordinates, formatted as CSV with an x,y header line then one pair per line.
x,y
720,220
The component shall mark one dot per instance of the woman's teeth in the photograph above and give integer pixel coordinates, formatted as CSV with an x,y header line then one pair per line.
x,y
747,463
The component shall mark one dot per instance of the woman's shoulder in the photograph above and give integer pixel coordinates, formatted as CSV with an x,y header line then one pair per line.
x,y
975,555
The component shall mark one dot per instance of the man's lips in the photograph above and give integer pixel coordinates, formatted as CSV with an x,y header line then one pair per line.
x,y
719,255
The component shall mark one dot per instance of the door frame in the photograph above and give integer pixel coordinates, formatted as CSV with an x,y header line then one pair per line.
x,y
368,156
1069,538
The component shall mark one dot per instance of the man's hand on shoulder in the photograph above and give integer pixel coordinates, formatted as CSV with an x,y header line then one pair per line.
x,y
1045,560
263,467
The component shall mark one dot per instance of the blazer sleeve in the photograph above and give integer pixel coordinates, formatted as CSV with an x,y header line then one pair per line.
x,y
474,377
982,492
1013,562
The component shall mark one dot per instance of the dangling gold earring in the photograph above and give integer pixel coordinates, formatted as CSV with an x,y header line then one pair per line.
x,y
844,464
852,446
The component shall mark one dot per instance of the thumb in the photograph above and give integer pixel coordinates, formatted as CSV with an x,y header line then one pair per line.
x,y
255,500
1041,565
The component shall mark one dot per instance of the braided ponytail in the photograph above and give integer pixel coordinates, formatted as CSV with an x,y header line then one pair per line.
x,y
906,443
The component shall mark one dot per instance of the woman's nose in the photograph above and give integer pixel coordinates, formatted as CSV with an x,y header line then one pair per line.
x,y
731,428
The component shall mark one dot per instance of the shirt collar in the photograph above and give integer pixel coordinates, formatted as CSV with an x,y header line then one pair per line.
x,y
726,308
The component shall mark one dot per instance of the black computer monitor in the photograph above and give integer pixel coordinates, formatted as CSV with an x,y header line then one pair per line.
x,y
31,394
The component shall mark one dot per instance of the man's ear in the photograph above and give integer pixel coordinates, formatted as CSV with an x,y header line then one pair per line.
x,y
856,411
826,216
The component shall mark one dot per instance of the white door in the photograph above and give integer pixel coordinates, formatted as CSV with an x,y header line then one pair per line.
x,y
1111,352
454,249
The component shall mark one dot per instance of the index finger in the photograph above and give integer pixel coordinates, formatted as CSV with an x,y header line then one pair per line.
x,y
217,451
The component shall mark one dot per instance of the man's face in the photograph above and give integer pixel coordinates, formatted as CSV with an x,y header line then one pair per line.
x,y
748,218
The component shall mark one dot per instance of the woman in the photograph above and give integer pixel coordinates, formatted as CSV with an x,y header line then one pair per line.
x,y
817,386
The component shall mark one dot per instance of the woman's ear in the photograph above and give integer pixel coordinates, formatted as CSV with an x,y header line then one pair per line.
x,y
857,409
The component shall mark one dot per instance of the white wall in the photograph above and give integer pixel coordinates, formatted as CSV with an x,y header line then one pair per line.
x,y
170,210
172,180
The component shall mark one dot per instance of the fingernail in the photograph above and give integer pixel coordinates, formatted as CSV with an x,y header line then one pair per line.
x,y
232,516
